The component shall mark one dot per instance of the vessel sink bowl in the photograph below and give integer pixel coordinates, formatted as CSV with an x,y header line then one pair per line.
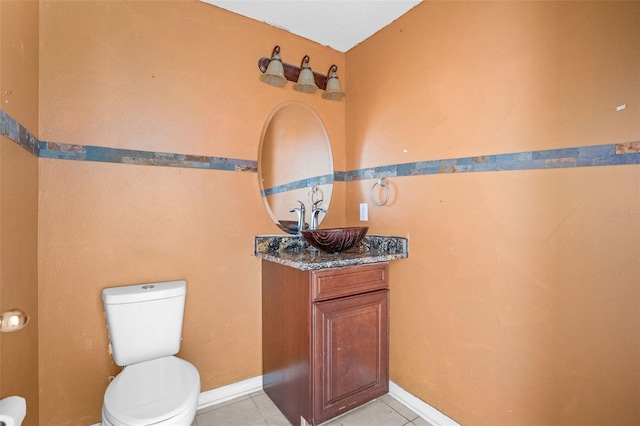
x,y
335,240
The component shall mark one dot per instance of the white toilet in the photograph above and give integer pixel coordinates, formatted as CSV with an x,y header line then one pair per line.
x,y
145,327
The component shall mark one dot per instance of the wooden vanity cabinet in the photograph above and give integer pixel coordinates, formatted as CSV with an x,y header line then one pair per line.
x,y
325,338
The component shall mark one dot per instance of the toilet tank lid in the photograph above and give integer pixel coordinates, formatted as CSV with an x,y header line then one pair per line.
x,y
143,292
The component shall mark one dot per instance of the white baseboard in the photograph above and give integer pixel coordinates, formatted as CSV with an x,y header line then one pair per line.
x,y
228,392
424,410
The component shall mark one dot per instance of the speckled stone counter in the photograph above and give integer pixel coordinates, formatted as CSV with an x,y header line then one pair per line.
x,y
295,252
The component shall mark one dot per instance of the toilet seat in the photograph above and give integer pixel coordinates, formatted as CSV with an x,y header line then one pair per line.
x,y
153,392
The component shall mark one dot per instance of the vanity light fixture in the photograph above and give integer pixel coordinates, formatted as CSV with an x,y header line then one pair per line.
x,y
274,73
306,82
333,90
277,73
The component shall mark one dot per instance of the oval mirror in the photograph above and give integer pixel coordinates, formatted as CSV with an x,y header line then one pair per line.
x,y
295,165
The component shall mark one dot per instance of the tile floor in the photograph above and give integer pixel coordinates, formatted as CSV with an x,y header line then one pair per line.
x,y
257,409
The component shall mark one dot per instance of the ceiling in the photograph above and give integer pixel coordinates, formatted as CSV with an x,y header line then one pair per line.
x,y
339,24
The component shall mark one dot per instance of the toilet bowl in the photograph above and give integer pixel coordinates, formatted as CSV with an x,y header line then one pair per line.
x,y
154,388
159,392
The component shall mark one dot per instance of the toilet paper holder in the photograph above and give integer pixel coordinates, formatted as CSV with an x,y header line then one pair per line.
x,y
13,410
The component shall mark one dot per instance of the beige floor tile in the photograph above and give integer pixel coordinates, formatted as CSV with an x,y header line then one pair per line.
x,y
269,410
257,409
375,413
242,413
399,407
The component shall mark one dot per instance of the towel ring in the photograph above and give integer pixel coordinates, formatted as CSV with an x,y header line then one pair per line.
x,y
383,184
315,195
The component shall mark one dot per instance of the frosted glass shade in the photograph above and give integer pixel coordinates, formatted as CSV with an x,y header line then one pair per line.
x,y
306,83
333,91
274,75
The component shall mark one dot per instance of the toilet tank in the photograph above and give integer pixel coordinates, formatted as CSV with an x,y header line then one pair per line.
x,y
144,320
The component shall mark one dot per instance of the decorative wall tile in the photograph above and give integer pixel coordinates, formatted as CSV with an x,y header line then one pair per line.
x,y
9,127
626,148
599,155
62,151
144,158
584,156
17,133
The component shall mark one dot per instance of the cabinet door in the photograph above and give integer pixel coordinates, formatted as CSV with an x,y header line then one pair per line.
x,y
351,353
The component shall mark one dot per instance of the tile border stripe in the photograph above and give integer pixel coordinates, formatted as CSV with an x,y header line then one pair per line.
x,y
585,156
63,151
13,130
18,133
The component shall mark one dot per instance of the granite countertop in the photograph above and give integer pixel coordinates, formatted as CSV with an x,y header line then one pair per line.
x,y
294,251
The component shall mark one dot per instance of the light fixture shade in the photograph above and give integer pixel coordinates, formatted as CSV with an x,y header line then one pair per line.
x,y
333,91
306,82
274,75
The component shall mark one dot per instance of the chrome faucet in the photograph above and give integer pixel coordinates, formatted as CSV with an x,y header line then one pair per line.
x,y
315,211
301,216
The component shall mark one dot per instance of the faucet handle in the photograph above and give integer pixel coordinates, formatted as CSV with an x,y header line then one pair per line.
x,y
301,216
297,209
316,204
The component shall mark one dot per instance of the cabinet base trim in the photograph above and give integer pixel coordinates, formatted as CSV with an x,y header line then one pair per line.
x,y
424,410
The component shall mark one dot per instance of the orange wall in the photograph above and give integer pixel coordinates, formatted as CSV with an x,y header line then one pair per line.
x,y
19,203
519,301
171,76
